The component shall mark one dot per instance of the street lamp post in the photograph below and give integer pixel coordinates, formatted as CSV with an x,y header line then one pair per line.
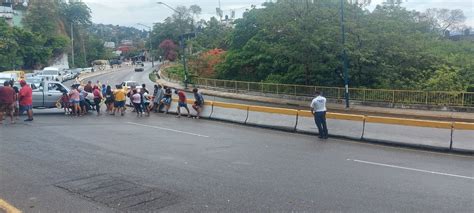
x,y
344,55
183,45
151,44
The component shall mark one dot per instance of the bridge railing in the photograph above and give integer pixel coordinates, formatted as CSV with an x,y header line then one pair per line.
x,y
418,97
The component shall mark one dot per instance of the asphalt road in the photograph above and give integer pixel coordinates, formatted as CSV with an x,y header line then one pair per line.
x,y
161,163
462,140
164,164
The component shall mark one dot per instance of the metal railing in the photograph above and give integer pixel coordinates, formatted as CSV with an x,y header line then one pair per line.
x,y
428,98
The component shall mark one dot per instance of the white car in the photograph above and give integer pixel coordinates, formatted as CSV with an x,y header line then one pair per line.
x,y
51,74
130,84
88,70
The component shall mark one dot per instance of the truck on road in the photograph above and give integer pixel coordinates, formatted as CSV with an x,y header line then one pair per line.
x,y
48,94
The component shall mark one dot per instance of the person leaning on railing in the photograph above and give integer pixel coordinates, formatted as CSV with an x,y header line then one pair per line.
x,y
318,109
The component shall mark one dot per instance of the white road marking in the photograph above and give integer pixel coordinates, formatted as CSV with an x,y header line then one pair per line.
x,y
411,169
171,130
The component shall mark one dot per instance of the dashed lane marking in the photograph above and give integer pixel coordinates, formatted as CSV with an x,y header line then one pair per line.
x,y
7,207
411,169
171,130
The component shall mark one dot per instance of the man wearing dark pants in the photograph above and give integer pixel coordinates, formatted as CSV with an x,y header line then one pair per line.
x,y
318,109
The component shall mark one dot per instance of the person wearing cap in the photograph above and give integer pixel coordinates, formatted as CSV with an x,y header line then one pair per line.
x,y
26,100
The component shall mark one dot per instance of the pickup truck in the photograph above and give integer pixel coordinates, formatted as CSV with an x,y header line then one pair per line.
x,y
48,94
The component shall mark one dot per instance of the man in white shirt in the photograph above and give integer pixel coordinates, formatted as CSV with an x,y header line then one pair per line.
x,y
318,109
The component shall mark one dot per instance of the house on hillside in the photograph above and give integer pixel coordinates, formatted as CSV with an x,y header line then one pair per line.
x,y
12,11
109,45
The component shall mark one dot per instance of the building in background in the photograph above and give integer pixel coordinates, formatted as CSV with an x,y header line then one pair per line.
x,y
13,10
109,45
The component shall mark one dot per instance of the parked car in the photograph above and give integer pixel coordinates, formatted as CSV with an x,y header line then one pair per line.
x,y
20,75
139,69
51,74
88,70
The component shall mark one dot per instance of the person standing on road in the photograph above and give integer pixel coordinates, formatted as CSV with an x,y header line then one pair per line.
x,y
75,101
103,90
7,100
82,100
198,103
16,105
109,99
137,102
97,98
26,100
318,109
120,96
167,99
182,102
158,96
65,100
88,87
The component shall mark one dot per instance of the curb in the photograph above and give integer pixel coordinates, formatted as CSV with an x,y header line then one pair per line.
x,y
359,140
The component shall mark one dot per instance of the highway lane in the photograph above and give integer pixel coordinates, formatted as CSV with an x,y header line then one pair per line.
x,y
69,164
378,132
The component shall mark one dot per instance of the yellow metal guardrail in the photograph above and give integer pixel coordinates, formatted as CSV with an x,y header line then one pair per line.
x,y
341,116
463,126
430,98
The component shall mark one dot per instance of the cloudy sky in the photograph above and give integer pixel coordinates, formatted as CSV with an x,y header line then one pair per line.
x,y
131,12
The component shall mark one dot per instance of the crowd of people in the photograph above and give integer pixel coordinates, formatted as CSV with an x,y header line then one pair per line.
x,y
15,101
77,102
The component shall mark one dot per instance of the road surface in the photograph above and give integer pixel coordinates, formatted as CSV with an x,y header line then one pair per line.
x,y
462,140
161,163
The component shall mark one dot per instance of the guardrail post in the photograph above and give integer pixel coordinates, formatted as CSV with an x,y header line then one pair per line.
x,y
277,89
338,94
235,86
248,86
363,98
207,82
393,97
426,98
295,90
462,99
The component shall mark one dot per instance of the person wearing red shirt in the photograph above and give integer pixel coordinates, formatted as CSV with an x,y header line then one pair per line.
x,y
182,102
26,100
7,99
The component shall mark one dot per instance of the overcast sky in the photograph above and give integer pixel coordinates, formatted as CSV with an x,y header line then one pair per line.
x,y
129,13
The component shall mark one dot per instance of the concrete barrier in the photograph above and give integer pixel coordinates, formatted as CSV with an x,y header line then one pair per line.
x,y
350,126
463,136
229,112
408,131
273,117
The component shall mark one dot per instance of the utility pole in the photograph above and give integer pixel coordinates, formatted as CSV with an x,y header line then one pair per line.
x,y
151,44
183,44
72,44
344,56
